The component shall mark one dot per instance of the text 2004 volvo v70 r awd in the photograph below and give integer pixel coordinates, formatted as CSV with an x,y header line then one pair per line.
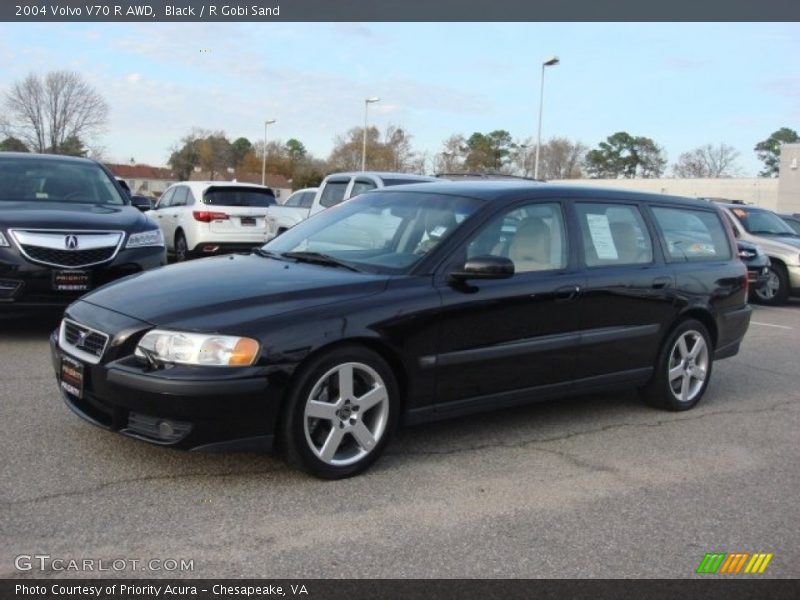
x,y
409,304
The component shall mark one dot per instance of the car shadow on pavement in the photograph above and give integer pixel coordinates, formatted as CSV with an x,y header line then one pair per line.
x,y
30,325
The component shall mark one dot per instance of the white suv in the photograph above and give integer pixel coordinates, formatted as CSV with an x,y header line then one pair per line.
x,y
202,218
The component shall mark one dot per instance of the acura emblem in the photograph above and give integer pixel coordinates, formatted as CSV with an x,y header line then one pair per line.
x,y
71,242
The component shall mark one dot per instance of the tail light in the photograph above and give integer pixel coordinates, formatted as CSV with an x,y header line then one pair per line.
x,y
206,216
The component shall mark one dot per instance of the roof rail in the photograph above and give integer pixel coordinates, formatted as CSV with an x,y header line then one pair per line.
x,y
486,176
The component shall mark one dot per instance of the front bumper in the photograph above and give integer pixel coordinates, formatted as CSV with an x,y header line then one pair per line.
x,y
25,284
191,408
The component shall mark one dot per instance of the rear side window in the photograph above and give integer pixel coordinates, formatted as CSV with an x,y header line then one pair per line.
x,y
692,235
613,234
239,196
333,193
362,185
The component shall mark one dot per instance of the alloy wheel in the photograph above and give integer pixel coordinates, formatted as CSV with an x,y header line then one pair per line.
x,y
346,414
769,290
688,366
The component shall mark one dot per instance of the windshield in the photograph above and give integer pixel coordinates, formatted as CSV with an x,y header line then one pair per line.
x,y
381,232
239,196
762,221
49,180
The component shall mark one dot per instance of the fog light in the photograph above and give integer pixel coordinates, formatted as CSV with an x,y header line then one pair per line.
x,y
210,249
165,429
157,429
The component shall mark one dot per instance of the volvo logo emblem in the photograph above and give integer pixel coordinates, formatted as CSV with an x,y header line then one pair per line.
x,y
71,242
81,338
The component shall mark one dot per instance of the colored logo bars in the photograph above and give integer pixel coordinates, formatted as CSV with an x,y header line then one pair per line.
x,y
734,563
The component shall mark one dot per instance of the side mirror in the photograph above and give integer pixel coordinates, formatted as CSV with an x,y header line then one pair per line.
x,y
143,204
484,267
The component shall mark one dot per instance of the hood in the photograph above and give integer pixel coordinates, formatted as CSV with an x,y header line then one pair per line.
x,y
226,292
63,215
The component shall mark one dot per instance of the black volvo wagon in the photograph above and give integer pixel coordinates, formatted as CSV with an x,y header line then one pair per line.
x,y
66,227
405,305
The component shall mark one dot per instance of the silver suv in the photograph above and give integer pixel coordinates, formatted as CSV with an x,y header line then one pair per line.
x,y
778,240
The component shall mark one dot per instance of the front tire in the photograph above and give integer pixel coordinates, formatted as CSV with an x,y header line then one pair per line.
x,y
775,290
683,369
342,410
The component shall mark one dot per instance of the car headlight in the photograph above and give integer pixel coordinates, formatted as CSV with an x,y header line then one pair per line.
x,y
152,237
3,241
185,348
747,254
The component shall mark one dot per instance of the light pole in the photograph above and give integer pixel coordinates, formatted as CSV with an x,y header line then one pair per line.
x,y
551,62
367,102
264,158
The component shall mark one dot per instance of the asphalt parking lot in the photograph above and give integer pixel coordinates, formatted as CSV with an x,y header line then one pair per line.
x,y
597,486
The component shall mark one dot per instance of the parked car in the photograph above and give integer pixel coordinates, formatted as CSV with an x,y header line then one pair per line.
x,y
757,263
203,218
335,188
780,243
792,221
469,297
66,226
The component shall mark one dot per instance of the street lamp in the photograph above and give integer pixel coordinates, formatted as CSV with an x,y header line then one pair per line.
x,y
264,158
367,102
551,62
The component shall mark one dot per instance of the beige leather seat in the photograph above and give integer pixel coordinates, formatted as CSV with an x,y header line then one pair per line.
x,y
530,250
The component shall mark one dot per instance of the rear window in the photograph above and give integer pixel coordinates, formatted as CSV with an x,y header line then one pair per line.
x,y
48,180
239,196
333,193
692,235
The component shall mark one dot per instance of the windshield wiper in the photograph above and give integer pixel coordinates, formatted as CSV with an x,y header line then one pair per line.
x,y
318,258
266,253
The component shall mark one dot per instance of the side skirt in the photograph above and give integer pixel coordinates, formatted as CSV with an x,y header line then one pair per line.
x,y
477,404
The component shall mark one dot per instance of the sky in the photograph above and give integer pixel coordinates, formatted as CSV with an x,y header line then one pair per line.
x,y
683,85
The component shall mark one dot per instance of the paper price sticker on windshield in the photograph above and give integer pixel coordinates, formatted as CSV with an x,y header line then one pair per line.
x,y
603,242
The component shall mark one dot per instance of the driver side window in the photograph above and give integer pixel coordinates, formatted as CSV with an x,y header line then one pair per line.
x,y
532,236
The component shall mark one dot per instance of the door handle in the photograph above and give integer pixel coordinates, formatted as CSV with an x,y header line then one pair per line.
x,y
660,283
567,293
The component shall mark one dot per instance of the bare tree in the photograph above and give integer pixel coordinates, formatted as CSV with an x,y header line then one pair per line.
x,y
451,158
390,152
707,161
47,111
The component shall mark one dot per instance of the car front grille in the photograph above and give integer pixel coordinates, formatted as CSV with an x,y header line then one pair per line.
x,y
69,258
84,342
68,249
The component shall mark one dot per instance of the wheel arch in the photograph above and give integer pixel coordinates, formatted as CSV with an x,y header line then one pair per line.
x,y
703,315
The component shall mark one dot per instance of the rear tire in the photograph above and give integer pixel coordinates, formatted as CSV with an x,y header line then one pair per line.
x,y
683,368
181,248
342,410
775,290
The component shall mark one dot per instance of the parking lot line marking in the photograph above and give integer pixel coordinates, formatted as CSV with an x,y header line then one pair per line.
x,y
771,325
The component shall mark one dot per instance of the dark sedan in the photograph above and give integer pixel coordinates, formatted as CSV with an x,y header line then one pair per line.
x,y
406,305
67,227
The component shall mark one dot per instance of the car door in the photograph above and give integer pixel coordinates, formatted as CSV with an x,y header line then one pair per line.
x,y
500,340
161,216
628,295
172,213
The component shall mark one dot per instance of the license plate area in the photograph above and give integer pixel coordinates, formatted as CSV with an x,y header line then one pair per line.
x,y
72,281
248,221
71,376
